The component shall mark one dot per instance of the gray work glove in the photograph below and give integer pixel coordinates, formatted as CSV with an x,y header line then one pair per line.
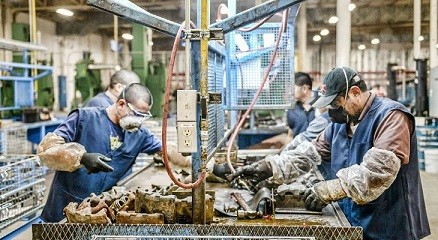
x,y
96,162
249,176
312,201
221,170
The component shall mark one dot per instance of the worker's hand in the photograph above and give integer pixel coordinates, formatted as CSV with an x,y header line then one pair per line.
x,y
249,176
96,162
312,200
221,170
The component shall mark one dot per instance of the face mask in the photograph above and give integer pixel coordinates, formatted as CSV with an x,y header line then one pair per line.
x,y
338,115
130,123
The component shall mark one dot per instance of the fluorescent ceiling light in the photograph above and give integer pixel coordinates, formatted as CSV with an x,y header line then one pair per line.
x,y
351,7
324,32
375,41
420,38
316,38
64,12
333,19
127,36
361,47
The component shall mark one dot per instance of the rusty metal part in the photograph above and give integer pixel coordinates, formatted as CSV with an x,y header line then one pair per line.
x,y
86,215
239,199
139,218
151,202
242,214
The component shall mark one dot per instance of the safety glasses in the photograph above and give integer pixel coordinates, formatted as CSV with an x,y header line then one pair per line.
x,y
145,115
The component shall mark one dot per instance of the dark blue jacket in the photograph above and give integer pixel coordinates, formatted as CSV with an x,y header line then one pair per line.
x,y
92,128
298,118
399,213
100,100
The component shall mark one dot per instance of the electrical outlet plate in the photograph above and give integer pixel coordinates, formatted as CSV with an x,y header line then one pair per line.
x,y
187,137
186,105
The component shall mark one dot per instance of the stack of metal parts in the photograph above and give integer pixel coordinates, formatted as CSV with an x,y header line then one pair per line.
x,y
12,139
144,206
22,187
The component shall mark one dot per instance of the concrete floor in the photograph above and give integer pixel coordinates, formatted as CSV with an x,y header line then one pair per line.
x,y
429,182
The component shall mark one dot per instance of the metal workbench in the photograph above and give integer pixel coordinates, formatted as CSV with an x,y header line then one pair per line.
x,y
331,224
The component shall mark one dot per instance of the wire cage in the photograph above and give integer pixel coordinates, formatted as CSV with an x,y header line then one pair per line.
x,y
250,55
12,139
22,186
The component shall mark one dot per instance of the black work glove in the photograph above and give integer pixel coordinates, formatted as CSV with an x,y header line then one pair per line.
x,y
249,176
96,162
312,201
221,170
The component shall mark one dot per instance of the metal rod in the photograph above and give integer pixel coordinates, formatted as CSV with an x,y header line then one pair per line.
x,y
4,196
132,12
187,49
253,14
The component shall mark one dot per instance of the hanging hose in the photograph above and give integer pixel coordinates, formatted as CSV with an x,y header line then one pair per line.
x,y
166,112
265,78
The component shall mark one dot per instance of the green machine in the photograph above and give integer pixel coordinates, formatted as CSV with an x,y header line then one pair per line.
x,y
152,74
87,81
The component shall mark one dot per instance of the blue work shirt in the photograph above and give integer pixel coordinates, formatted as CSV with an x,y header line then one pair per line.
x,y
92,128
298,118
100,100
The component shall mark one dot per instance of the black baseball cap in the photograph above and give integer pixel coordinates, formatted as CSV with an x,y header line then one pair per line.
x,y
334,83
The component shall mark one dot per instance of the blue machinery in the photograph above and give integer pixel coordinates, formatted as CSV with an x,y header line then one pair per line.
x,y
23,82
214,118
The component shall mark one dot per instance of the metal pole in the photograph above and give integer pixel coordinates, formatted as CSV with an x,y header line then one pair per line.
x,y
343,33
187,50
116,40
433,33
417,28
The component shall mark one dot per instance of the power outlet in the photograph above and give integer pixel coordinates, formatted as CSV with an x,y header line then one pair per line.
x,y
187,137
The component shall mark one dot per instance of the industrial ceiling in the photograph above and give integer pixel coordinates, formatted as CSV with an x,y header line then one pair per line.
x,y
391,21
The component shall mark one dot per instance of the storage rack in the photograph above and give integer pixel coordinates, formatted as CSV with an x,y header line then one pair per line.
x,y
22,186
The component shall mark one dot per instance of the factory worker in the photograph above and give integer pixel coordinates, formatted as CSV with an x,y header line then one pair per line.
x,y
372,149
119,80
94,148
303,113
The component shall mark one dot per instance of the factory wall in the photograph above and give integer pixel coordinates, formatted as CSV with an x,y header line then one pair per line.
x,y
66,51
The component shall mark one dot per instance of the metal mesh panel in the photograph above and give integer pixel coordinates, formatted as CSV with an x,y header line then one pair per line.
x,y
86,231
216,115
193,237
248,66
22,187
13,139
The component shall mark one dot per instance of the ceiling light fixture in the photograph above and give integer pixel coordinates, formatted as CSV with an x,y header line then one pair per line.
x,y
361,47
316,38
375,41
420,38
127,36
351,7
64,12
333,19
324,32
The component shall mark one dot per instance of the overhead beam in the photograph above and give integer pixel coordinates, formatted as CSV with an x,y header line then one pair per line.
x,y
253,14
136,14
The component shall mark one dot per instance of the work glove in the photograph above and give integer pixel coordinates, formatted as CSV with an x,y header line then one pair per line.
x,y
322,193
96,162
247,177
221,170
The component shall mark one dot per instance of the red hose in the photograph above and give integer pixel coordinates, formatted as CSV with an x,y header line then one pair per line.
x,y
165,114
265,78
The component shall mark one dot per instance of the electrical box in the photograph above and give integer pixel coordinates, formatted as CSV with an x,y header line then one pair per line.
x,y
186,121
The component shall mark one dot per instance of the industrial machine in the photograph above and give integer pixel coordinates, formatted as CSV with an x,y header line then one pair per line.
x,y
87,81
201,132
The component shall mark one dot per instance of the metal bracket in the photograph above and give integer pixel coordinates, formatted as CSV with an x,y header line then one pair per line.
x,y
215,98
210,34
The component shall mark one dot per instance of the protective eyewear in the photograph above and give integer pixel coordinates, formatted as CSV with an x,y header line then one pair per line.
x,y
145,115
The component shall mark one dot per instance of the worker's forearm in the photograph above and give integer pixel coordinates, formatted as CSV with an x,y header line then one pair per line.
x,y
58,155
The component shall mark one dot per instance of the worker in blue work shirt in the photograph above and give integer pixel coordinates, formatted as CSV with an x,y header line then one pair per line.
x,y
95,147
119,80
303,113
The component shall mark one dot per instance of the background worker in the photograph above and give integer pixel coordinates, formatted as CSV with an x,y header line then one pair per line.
x,y
372,148
119,80
303,113
95,147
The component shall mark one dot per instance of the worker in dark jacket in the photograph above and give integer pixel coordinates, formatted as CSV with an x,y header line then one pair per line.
x,y
118,82
372,149
95,147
